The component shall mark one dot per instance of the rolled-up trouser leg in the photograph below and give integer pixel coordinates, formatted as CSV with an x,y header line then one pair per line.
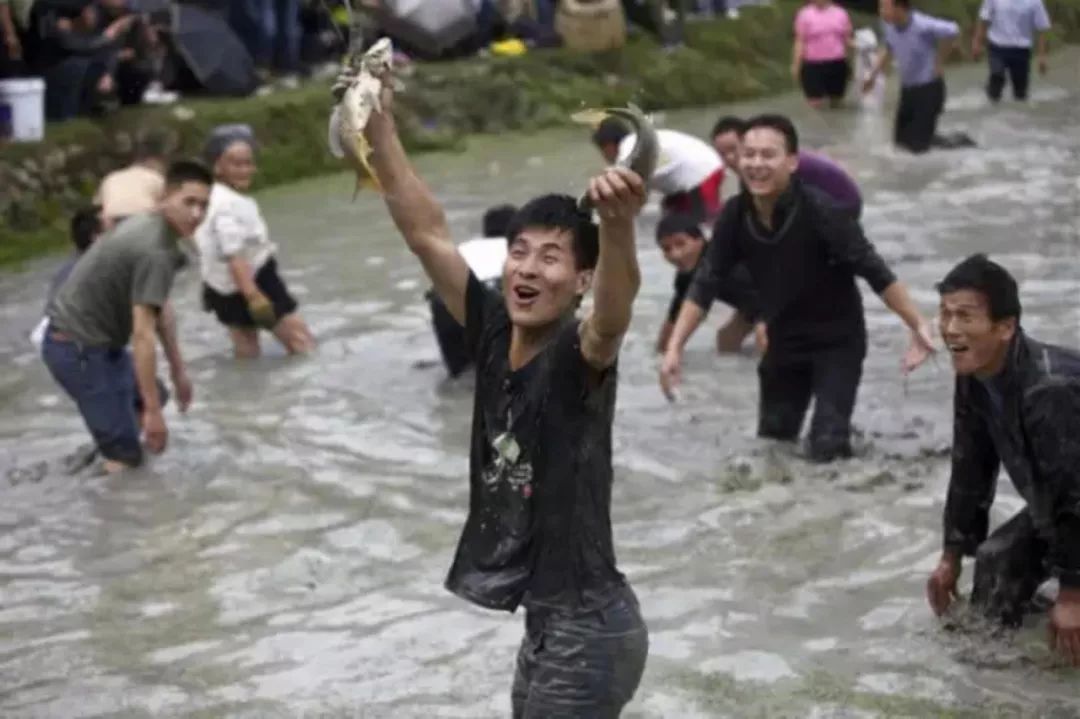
x,y
1009,566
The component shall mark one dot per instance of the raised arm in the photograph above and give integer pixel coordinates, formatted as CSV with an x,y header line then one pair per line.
x,y
418,216
618,195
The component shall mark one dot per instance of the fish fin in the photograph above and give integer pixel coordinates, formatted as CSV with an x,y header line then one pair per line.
x,y
363,151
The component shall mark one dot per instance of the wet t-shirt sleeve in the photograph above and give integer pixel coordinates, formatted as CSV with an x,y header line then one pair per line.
x,y
719,258
847,245
682,285
482,305
153,278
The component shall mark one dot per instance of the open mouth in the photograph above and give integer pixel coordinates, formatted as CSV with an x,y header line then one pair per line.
x,y
525,295
957,349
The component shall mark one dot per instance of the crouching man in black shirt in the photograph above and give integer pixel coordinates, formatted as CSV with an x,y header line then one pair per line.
x,y
1017,405
538,531
803,254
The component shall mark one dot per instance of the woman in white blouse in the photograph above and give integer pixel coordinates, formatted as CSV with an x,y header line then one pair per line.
x,y
241,285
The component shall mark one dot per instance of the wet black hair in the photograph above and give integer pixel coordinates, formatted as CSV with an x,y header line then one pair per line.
x,y
497,220
610,132
183,171
983,275
677,223
560,212
85,227
152,145
780,123
728,123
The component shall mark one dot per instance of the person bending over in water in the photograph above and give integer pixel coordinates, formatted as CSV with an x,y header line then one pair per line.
x,y
1017,404
689,173
538,532
118,293
921,44
803,255
241,284
683,243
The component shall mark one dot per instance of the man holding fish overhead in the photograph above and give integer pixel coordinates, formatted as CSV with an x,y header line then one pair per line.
x,y
538,532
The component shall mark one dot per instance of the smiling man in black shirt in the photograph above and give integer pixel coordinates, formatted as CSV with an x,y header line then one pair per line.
x,y
803,254
538,532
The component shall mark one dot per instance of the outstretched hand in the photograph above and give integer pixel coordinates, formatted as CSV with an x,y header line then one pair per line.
x,y
920,349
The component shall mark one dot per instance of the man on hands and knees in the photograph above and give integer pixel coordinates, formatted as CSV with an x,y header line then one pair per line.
x,y
538,532
683,244
118,293
803,255
1017,404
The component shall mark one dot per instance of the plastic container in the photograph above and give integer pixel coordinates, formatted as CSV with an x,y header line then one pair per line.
x,y
24,98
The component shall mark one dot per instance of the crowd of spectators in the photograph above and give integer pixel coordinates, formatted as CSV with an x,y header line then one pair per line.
x,y
96,55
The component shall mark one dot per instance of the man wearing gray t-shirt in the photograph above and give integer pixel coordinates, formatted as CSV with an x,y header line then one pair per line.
x,y
1011,26
920,44
118,293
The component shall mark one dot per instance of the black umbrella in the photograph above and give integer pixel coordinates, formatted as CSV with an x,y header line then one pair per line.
x,y
214,54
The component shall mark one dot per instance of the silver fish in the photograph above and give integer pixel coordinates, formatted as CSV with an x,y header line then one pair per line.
x,y
363,75
646,151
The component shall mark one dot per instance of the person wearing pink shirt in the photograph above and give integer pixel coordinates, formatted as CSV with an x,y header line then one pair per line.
x,y
819,61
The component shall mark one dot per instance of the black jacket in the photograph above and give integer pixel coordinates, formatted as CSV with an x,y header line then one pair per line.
x,y
1037,438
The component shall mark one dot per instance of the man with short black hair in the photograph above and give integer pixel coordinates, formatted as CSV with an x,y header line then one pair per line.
x,y
689,174
538,532
803,254
683,243
118,293
1017,404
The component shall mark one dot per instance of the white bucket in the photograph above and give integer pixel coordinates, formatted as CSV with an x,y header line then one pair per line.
x,y
23,100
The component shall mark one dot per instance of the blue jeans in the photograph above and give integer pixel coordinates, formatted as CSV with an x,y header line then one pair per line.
x,y
271,31
102,383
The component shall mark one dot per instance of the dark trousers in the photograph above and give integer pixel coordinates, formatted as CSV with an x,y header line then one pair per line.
x,y
1016,61
917,115
831,377
1009,566
581,666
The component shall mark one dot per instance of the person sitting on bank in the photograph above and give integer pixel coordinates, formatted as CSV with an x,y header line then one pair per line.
x,y
1011,26
1016,404
118,293
137,188
485,257
920,43
683,244
823,34
689,173
241,284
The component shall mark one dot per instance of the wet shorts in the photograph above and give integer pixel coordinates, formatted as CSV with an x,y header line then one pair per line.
x,y
581,666
231,310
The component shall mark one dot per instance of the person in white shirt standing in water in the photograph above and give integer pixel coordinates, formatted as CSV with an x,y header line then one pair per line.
x,y
1011,26
689,173
241,285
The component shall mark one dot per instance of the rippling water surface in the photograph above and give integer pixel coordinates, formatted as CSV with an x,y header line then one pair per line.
x,y
285,557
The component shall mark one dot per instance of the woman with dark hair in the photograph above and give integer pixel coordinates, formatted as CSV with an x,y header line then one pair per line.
x,y
241,285
819,62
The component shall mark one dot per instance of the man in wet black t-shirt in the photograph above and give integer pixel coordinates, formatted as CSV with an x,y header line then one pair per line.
x,y
538,532
803,254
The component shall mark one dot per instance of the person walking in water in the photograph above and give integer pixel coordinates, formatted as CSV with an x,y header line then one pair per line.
x,y
803,255
819,57
921,44
241,284
1016,404
1011,26
538,532
118,292
689,174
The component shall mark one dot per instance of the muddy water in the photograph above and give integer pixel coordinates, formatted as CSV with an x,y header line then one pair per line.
x,y
285,557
